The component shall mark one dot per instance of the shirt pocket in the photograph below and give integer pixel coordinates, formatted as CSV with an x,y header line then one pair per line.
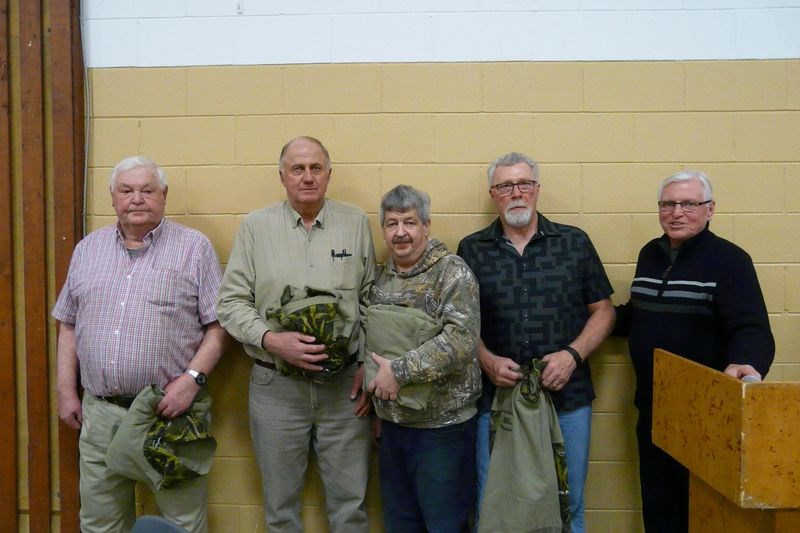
x,y
345,273
171,290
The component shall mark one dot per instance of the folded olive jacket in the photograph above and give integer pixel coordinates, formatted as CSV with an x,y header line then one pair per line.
x,y
315,312
164,452
526,488
442,286
392,330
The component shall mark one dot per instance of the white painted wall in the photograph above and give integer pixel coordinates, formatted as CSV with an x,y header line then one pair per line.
x,y
240,32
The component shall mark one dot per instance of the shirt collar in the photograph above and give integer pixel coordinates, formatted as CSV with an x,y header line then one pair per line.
x,y
297,220
149,238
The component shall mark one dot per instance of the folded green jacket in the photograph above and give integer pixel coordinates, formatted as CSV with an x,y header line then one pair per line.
x,y
392,330
315,312
164,451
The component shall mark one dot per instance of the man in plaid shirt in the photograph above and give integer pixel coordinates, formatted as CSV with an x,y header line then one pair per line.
x,y
137,309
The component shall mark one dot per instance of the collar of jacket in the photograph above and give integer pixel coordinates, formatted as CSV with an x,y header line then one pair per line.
x,y
434,251
691,243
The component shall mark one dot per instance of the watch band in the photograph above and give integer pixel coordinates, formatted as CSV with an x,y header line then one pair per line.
x,y
574,353
199,377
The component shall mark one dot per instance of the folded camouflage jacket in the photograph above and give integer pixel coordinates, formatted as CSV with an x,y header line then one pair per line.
x,y
392,330
165,452
526,488
315,312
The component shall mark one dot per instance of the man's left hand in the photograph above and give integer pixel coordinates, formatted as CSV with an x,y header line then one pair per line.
x,y
178,397
739,371
560,366
384,386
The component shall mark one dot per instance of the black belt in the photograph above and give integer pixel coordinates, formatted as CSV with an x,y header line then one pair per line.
x,y
121,401
267,364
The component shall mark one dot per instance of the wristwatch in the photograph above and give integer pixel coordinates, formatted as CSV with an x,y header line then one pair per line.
x,y
199,377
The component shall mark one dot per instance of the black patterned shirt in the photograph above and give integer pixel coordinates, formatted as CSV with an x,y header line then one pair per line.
x,y
534,303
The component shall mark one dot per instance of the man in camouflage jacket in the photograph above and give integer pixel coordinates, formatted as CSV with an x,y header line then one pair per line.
x,y
427,458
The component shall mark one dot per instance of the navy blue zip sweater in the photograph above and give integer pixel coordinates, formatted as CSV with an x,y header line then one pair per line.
x,y
706,305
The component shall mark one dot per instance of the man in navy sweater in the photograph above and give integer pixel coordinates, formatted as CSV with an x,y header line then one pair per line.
x,y
696,295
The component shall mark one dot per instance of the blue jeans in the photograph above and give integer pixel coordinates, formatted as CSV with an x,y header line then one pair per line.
x,y
576,427
481,460
427,477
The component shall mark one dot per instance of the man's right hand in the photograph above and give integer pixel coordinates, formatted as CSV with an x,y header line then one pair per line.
x,y
295,348
501,370
69,409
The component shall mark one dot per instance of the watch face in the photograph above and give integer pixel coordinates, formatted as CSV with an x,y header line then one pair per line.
x,y
200,378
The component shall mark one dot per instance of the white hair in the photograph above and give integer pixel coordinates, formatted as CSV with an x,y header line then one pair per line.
x,y
136,161
687,175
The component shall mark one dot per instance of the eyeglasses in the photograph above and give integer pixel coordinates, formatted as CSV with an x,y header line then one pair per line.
x,y
688,206
504,189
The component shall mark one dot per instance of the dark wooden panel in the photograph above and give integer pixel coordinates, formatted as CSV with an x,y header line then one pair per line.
x,y
8,414
66,80
32,164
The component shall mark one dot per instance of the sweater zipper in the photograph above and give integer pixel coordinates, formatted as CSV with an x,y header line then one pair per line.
x,y
664,281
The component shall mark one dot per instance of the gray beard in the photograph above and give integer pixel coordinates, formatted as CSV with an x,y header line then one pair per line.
x,y
518,219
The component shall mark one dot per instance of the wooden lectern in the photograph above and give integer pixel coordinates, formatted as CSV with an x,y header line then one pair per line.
x,y
740,442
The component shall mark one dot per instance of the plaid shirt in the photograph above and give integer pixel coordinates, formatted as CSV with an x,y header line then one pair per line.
x,y
138,317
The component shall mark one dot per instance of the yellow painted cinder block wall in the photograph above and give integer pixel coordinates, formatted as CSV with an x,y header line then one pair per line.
x,y
605,133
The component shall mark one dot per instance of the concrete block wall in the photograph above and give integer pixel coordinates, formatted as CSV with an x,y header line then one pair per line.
x,y
606,133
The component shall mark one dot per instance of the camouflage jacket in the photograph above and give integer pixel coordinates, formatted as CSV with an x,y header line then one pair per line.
x,y
442,286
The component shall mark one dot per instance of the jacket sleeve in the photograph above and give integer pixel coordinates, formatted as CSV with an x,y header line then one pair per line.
x,y
622,326
455,347
741,308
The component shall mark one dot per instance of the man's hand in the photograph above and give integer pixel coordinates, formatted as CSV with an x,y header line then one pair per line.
x,y
295,348
178,397
502,371
69,408
384,385
363,405
739,371
560,366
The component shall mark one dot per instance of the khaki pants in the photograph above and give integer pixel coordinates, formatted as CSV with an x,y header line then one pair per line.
x,y
290,416
108,498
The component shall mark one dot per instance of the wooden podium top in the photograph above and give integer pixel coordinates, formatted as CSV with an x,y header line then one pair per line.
x,y
743,439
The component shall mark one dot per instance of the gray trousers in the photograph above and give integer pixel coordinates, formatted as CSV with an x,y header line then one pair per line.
x,y
290,417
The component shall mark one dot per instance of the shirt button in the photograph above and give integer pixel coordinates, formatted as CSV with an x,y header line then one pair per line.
x,y
122,304
116,332
128,276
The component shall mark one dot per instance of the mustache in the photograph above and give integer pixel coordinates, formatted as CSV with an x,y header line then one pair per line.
x,y
516,203
401,240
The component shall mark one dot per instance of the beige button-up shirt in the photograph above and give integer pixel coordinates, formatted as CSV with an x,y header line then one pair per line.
x,y
273,250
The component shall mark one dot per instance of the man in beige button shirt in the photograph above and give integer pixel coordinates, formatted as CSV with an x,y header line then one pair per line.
x,y
303,395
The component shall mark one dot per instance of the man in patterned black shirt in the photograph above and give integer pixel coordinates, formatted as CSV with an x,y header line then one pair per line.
x,y
543,294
